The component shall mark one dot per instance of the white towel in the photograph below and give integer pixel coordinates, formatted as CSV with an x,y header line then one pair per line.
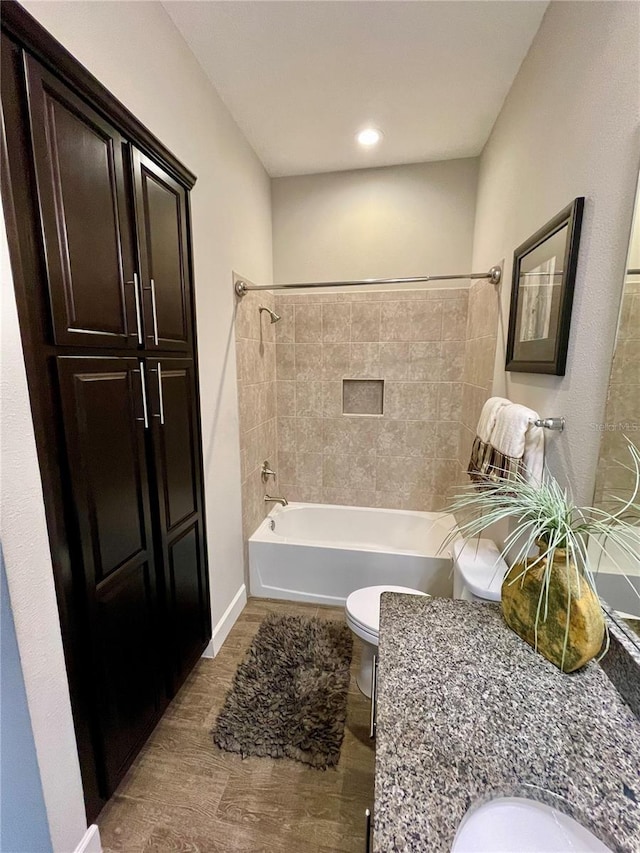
x,y
515,436
487,420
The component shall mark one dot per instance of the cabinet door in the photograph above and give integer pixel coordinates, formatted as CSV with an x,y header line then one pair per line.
x,y
84,216
104,423
161,220
177,455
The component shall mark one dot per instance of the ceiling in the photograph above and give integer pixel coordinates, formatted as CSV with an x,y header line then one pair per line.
x,y
302,77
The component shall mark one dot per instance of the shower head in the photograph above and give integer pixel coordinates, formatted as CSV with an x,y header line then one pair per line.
x,y
272,314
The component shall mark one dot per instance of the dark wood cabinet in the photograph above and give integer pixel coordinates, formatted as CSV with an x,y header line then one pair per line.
x,y
97,214
106,289
104,421
147,607
161,221
176,449
84,215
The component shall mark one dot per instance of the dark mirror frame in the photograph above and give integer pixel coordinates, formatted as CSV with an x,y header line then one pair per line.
x,y
571,216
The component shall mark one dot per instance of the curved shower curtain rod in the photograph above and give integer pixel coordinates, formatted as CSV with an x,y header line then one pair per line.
x,y
241,287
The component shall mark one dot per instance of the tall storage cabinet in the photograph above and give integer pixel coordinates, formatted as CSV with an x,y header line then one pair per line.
x,y
102,409
98,215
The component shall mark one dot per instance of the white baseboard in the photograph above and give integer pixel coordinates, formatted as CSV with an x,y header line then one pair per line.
x,y
226,622
90,841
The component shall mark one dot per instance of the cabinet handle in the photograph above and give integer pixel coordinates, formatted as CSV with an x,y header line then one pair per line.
x,y
154,311
160,396
374,684
136,296
145,411
367,818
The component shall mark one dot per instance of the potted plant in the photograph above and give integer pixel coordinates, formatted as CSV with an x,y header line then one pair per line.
x,y
549,595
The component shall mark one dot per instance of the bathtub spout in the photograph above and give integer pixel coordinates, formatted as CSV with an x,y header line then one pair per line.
x,y
283,501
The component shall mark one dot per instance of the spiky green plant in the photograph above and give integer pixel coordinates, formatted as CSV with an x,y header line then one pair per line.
x,y
546,516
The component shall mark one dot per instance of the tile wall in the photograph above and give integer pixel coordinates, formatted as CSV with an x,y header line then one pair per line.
x,y
480,353
256,373
413,340
434,350
622,415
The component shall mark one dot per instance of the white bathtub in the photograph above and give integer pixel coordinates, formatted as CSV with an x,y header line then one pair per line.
x,y
321,553
617,575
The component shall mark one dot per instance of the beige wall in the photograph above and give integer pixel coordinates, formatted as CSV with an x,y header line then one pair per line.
x,y
569,127
135,50
375,223
256,360
415,342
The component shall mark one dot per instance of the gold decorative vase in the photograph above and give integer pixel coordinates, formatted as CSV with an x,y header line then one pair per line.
x,y
570,598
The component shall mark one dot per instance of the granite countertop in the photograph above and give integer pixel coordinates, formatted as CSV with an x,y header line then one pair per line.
x,y
466,711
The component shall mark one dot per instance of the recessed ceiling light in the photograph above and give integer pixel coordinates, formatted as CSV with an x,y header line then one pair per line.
x,y
369,136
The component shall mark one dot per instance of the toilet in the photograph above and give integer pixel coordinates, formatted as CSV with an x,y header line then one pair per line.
x,y
478,570
362,611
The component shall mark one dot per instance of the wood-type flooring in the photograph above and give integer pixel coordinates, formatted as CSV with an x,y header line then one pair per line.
x,y
185,794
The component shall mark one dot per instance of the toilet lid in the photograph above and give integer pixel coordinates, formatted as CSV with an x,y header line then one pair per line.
x,y
363,605
481,567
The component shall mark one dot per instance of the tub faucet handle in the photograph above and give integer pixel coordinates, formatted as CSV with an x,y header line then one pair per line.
x,y
266,471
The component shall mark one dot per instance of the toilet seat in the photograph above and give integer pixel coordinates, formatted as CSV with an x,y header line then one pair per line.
x,y
362,610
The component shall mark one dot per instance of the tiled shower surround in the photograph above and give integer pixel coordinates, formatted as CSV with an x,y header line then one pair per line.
x,y
615,478
256,372
405,458
431,353
480,352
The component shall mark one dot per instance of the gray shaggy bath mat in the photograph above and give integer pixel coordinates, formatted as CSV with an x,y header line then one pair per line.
x,y
289,697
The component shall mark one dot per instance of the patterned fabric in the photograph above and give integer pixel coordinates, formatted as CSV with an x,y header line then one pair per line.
x,y
488,465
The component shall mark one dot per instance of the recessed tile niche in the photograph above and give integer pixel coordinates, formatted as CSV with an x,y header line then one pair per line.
x,y
362,396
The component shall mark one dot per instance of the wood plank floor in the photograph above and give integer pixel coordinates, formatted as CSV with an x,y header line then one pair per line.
x,y
185,794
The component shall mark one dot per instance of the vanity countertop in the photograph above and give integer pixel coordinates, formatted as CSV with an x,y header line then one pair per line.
x,y
466,711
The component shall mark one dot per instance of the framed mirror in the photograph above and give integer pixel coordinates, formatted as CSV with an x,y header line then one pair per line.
x,y
615,481
544,272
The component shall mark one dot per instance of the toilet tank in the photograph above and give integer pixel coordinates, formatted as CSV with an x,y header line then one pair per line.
x,y
478,570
